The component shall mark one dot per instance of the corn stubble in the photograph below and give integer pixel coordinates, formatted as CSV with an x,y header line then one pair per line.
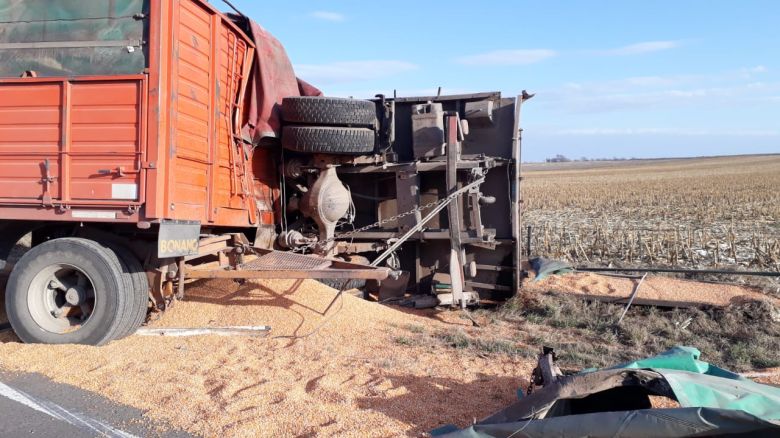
x,y
698,213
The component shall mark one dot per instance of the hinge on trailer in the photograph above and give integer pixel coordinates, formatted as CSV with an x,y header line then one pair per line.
x,y
47,180
149,165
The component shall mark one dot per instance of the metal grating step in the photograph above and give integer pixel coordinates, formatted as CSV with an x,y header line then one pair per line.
x,y
285,261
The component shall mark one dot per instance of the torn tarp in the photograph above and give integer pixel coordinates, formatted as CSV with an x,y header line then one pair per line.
x,y
271,79
615,402
698,383
544,267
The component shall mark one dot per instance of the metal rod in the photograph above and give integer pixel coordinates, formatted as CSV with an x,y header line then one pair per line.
x,y
181,271
423,221
234,8
683,271
70,44
201,331
631,299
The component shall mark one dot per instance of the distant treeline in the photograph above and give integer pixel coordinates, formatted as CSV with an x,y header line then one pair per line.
x,y
564,159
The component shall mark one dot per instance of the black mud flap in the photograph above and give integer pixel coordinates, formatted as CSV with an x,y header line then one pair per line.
x,y
178,239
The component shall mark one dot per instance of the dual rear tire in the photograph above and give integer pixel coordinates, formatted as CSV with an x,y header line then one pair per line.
x,y
76,291
328,125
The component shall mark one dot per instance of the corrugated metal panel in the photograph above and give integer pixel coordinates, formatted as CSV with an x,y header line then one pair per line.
x,y
192,82
105,136
30,129
208,169
67,142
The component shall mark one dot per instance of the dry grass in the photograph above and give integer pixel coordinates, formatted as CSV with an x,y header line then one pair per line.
x,y
700,212
740,337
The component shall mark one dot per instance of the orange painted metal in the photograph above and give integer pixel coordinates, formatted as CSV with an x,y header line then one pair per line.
x,y
164,144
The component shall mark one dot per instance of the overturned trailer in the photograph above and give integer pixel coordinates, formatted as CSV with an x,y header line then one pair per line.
x,y
144,143
427,149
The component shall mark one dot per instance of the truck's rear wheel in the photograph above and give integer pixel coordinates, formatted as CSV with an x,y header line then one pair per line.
x,y
67,291
139,284
329,140
329,111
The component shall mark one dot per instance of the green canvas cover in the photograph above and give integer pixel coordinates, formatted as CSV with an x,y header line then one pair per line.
x,y
700,384
713,402
73,37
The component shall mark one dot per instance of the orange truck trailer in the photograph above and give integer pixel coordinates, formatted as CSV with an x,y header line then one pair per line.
x,y
144,143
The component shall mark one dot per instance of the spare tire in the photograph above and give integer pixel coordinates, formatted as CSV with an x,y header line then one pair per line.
x,y
329,140
329,111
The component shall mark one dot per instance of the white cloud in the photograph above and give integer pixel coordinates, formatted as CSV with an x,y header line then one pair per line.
x,y
665,131
508,57
756,69
351,71
639,48
328,16
731,87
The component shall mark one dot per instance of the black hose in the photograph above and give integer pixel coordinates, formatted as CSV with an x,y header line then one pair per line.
x,y
227,2
684,271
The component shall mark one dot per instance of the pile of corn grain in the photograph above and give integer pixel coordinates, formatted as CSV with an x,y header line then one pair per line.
x,y
653,289
349,378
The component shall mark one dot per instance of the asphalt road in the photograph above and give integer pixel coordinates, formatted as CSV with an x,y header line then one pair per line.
x,y
32,405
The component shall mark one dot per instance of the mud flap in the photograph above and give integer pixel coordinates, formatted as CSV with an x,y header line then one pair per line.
x,y
178,239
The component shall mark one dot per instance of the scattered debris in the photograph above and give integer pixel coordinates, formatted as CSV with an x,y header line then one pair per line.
x,y
616,402
544,267
546,372
631,299
204,331
760,374
415,301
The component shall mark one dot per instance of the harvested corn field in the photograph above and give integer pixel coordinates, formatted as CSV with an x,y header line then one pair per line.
x,y
693,212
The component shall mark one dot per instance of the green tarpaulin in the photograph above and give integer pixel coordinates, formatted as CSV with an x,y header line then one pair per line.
x,y
700,384
73,37
613,403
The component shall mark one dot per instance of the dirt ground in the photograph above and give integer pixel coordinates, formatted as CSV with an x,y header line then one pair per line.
x,y
350,378
371,370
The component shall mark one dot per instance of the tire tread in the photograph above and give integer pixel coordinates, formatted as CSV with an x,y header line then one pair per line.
x,y
329,111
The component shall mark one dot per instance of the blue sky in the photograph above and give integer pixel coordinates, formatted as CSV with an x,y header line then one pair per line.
x,y
612,78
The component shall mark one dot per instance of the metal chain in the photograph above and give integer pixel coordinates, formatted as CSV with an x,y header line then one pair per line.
x,y
376,224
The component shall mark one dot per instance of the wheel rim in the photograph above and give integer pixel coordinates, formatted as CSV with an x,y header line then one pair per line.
x,y
61,298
